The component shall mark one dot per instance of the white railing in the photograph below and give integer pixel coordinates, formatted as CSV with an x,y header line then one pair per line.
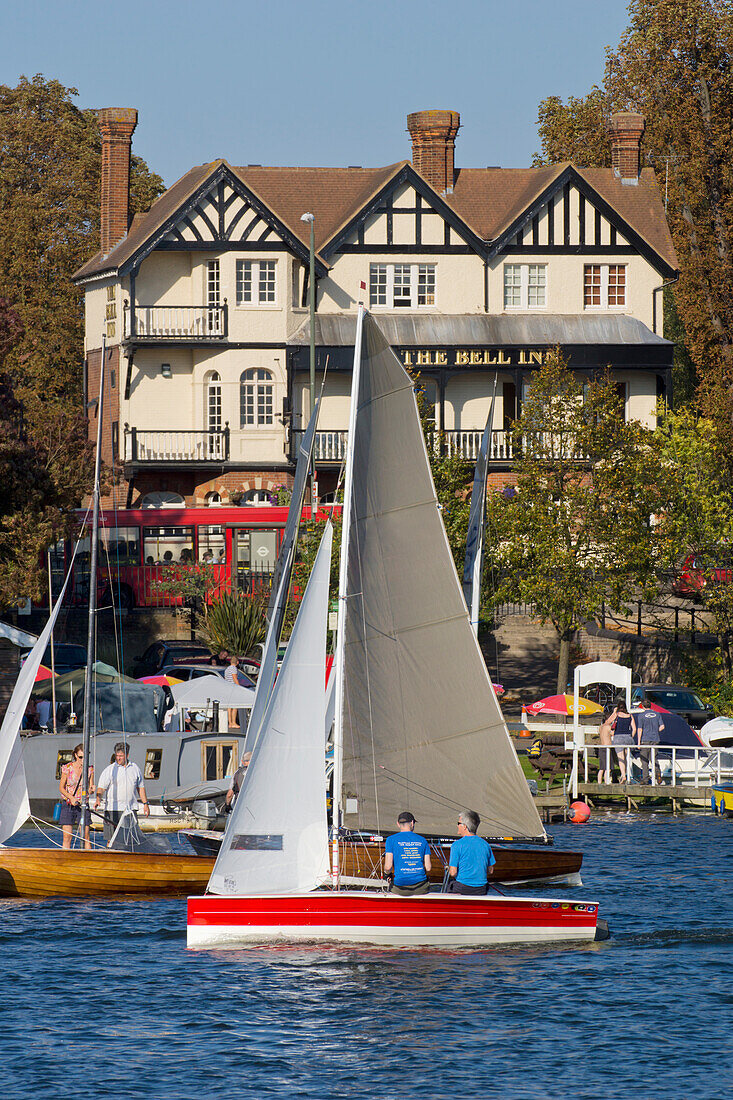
x,y
681,765
466,444
176,322
176,446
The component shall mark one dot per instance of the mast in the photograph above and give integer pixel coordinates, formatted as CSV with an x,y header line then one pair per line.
x,y
88,711
473,568
338,728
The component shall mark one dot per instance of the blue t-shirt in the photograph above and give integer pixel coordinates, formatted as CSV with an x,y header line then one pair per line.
x,y
408,852
472,856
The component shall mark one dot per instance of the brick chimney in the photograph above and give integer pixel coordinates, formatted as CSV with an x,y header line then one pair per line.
x,y
116,125
433,136
626,129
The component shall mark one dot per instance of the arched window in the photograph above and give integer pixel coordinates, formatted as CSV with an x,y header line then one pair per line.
x,y
212,500
256,496
212,401
256,391
162,498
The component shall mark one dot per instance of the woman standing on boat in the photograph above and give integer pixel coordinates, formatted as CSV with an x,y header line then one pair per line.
x,y
70,788
624,736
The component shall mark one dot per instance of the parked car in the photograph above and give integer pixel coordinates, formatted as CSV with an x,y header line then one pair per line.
x,y
163,653
691,579
66,657
677,699
192,671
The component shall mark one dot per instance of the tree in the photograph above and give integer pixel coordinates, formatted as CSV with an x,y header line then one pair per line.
x,y
575,531
674,63
39,481
697,520
50,161
235,622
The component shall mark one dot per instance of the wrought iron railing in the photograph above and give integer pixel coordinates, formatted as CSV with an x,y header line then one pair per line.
x,y
176,446
176,322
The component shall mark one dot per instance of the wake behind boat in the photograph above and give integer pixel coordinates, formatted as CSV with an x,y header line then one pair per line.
x,y
403,737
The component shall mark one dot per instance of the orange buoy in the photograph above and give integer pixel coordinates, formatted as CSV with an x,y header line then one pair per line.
x,y
579,812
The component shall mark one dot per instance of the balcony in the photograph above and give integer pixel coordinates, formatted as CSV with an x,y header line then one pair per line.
x,y
176,324
147,448
331,446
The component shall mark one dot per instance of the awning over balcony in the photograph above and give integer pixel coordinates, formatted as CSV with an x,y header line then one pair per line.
x,y
458,341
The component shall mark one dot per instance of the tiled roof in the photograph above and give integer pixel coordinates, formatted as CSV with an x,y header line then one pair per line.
x,y
488,200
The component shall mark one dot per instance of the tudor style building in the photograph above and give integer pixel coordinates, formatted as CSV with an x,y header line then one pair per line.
x,y
473,275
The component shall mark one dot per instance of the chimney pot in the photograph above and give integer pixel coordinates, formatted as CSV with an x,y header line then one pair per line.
x,y
433,136
116,126
626,129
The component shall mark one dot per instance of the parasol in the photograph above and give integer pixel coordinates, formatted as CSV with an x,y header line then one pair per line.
x,y
563,704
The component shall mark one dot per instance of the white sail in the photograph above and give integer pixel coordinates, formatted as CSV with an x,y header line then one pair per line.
x,y
277,838
419,722
281,584
14,805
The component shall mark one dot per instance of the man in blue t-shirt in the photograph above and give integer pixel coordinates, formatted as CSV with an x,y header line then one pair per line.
x,y
407,859
471,858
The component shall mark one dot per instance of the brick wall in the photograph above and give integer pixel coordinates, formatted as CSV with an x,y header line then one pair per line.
x,y
433,136
626,129
111,408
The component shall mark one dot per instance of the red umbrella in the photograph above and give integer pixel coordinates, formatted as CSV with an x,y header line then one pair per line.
x,y
562,704
43,673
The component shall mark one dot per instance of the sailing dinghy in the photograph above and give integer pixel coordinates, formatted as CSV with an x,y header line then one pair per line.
x,y
417,722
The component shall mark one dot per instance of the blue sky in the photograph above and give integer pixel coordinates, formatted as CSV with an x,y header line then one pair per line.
x,y
320,83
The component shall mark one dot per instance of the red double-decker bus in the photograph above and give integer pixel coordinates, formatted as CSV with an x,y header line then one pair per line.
x,y
141,549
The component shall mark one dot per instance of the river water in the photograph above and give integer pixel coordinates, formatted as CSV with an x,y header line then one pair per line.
x,y
102,999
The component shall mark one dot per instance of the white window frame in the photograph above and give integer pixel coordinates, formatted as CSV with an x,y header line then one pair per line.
x,y
524,286
604,307
416,272
256,270
257,388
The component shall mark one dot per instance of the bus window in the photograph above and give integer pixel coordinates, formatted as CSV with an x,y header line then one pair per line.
x,y
120,545
255,555
167,544
211,545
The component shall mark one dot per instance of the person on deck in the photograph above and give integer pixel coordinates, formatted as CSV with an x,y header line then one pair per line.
x,y
471,858
624,735
232,676
407,859
237,781
605,736
649,726
122,784
71,792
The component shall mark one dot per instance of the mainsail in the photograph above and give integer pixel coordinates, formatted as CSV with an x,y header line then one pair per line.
x,y
14,805
277,838
420,724
281,584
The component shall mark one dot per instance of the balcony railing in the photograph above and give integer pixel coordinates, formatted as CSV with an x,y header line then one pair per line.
x,y
176,446
331,446
176,322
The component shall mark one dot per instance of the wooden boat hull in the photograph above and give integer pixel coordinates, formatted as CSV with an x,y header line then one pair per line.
x,y
53,872
371,917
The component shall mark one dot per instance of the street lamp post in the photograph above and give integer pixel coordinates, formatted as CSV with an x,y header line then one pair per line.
x,y
310,218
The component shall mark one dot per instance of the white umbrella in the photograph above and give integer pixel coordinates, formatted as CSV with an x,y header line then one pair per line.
x,y
207,689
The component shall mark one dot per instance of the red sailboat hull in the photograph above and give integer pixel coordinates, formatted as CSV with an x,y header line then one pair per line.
x,y
429,920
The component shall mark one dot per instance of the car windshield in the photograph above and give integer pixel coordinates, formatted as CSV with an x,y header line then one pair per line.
x,y
676,700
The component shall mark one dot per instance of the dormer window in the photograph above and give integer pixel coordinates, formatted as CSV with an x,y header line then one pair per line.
x,y
402,286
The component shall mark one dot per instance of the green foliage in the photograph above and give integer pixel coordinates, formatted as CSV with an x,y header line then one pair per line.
x,y
575,533
50,160
236,623
195,585
709,677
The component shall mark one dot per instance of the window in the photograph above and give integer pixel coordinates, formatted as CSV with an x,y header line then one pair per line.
x,y
256,282
164,545
212,401
402,286
213,283
256,391
120,545
65,756
153,761
218,759
604,286
525,286
211,545
110,312
212,500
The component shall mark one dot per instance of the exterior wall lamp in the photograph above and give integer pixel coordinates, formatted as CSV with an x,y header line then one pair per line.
x,y
165,370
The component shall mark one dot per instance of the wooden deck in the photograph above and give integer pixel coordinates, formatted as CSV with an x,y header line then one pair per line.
x,y
638,795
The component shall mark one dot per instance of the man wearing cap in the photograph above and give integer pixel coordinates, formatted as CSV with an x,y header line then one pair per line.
x,y
407,859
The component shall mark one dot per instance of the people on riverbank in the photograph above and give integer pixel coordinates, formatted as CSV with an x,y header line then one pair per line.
x,y
407,859
649,726
122,786
471,859
624,735
70,788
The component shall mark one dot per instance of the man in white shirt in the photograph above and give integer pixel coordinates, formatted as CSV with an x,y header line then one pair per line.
x,y
122,785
